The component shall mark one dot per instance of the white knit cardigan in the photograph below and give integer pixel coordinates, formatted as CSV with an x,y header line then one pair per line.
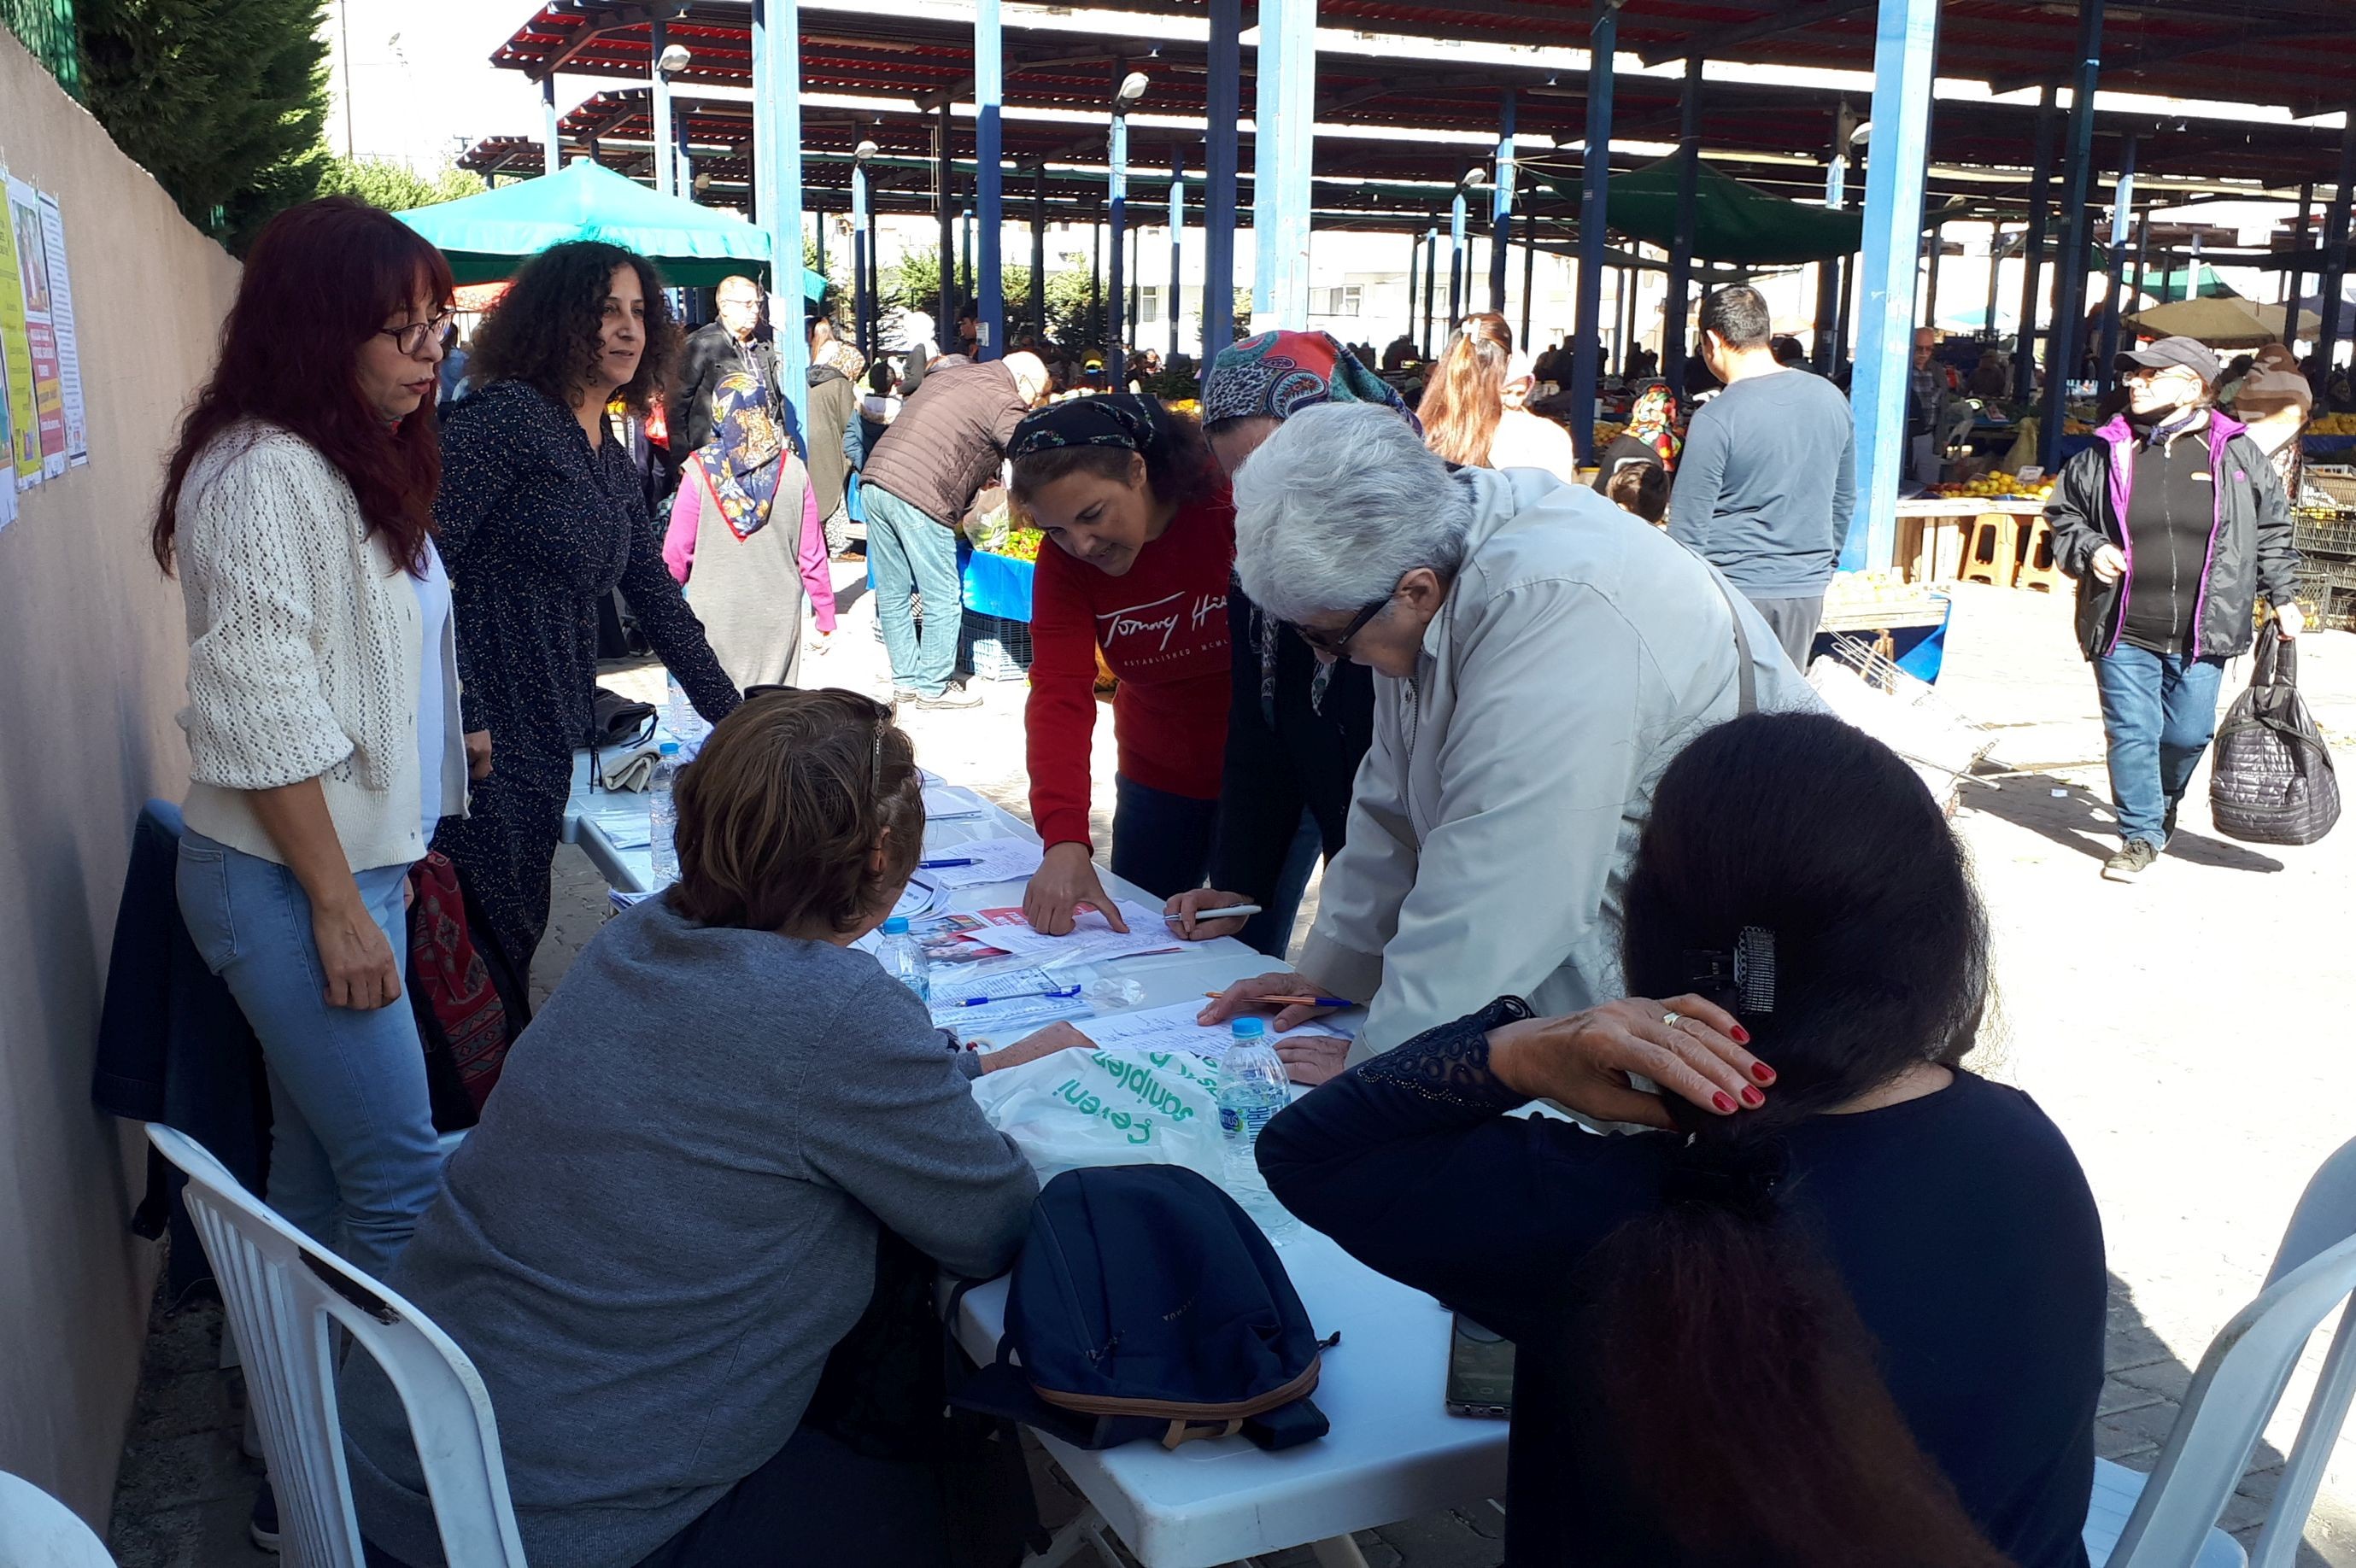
x,y
304,645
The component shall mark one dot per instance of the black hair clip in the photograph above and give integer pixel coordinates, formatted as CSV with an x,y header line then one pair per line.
x,y
1745,971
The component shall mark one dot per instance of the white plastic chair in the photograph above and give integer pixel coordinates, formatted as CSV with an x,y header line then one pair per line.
x,y
285,1295
38,1531
2168,1518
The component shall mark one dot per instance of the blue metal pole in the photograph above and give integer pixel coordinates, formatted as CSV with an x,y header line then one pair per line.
x,y
1501,206
1430,285
658,36
2032,251
2334,312
777,163
1530,273
1295,138
1829,298
1414,264
2122,226
1456,258
1177,241
862,304
2298,250
684,163
1116,199
989,90
1674,310
1267,113
1906,47
1039,252
1594,216
1223,107
2063,343
551,144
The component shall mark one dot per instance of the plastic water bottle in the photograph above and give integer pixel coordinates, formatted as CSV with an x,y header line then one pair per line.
x,y
1253,1087
662,816
903,957
680,718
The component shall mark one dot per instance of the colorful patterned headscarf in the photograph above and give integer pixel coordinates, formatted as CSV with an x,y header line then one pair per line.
x,y
745,456
1125,419
1278,374
1652,419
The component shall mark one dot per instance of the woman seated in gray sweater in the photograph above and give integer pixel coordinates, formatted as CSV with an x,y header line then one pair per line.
x,y
669,1214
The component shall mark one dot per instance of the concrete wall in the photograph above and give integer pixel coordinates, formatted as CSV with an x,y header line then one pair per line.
x,y
92,659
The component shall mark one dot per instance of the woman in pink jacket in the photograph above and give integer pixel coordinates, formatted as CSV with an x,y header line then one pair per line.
x,y
745,580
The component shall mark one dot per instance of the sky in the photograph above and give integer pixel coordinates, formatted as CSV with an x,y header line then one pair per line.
x,y
419,87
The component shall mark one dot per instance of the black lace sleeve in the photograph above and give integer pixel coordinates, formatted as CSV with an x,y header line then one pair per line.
x,y
1449,1065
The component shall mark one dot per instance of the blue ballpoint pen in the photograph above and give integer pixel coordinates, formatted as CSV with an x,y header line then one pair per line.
x,y
939,864
1012,997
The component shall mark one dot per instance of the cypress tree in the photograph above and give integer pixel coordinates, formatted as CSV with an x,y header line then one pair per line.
x,y
222,101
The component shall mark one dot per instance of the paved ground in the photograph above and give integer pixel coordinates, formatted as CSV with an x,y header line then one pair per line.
x,y
2189,1035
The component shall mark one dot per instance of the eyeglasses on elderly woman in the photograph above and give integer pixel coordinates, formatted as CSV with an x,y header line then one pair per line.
x,y
1336,645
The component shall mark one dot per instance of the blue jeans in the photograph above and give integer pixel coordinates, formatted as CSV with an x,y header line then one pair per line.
x,y
353,1154
2158,713
1161,841
908,553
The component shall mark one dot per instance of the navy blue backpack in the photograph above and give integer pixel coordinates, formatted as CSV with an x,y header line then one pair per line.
x,y
1146,1304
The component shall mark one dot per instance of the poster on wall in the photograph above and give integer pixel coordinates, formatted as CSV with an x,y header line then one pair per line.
x,y
16,361
40,334
61,322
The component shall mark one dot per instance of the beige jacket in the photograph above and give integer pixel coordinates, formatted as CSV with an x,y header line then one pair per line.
x,y
1495,820
304,645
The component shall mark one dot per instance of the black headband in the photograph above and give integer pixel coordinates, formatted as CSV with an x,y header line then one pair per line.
x,y
1121,419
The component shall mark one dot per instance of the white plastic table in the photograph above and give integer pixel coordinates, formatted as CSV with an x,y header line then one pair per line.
x,y
1394,1451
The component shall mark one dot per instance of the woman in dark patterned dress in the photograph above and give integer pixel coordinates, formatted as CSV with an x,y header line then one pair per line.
x,y
541,515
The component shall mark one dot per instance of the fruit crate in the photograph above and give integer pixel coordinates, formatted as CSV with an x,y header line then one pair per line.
x,y
994,647
2333,535
2326,589
2336,482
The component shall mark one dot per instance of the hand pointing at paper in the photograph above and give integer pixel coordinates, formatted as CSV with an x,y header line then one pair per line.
x,y
1065,880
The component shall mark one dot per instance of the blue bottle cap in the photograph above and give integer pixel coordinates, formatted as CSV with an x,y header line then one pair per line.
x,y
1248,1028
896,927
668,749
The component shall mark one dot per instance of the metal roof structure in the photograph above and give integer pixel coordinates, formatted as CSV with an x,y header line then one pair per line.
x,y
1771,134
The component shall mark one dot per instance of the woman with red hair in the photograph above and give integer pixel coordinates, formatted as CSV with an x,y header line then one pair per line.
x,y
324,738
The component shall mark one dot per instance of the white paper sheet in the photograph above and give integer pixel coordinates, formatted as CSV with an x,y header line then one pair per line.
x,y
1173,1029
996,861
61,321
1020,1008
1092,939
944,802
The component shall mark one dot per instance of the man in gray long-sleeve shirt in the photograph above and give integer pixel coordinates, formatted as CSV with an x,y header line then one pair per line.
x,y
667,1218
1768,476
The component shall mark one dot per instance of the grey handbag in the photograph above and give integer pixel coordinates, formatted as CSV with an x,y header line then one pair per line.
x,y
2273,781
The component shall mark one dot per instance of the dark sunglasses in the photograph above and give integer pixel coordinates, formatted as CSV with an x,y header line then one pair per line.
x,y
1337,643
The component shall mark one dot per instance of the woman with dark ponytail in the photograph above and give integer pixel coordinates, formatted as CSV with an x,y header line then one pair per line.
x,y
1845,1306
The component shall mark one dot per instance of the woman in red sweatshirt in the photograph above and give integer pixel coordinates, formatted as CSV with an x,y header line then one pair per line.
x,y
1144,539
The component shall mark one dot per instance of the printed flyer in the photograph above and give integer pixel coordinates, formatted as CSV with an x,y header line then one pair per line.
x,y
16,361
61,321
40,334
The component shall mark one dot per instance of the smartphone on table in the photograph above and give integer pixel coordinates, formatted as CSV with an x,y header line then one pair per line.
x,y
1480,1370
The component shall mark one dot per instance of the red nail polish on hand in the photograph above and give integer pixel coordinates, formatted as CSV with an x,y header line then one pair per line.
x,y
1724,1103
1761,1071
1753,1098
1741,1036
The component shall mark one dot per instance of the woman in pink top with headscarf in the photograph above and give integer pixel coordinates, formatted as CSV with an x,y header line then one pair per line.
x,y
745,579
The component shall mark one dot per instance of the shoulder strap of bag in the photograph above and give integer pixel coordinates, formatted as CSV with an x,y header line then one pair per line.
x,y
1746,676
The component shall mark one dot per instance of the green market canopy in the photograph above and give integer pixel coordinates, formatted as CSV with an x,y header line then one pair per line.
x,y
1733,222
487,236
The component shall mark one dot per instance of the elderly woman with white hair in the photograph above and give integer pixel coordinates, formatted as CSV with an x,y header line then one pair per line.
x,y
1542,657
